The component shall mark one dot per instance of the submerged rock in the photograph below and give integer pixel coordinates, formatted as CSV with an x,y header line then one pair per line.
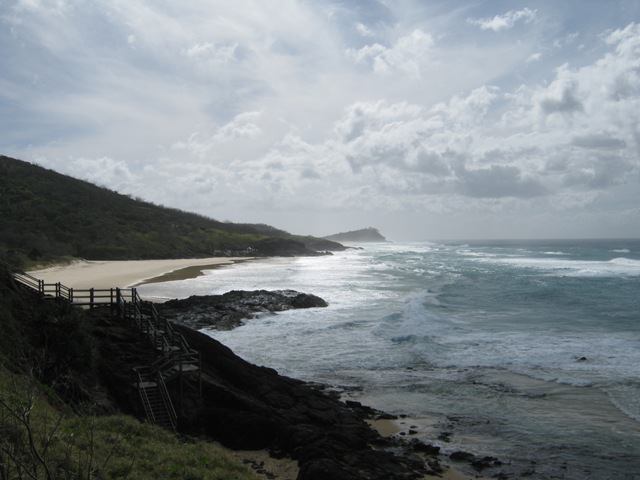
x,y
228,311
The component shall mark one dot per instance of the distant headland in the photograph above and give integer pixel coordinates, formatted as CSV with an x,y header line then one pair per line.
x,y
368,234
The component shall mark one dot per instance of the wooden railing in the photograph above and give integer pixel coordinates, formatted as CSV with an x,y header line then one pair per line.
x,y
90,297
176,356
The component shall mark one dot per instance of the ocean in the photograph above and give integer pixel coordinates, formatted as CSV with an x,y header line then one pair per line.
x,y
528,351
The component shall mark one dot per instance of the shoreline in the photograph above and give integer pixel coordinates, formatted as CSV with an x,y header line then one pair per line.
x,y
192,271
129,273
398,428
96,273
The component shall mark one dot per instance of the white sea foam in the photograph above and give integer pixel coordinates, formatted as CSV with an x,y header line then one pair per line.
x,y
407,321
574,268
626,397
620,250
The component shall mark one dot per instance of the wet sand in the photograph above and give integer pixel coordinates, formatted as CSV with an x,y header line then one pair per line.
x,y
390,428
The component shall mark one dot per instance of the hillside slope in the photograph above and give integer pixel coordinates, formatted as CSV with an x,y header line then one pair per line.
x,y
47,215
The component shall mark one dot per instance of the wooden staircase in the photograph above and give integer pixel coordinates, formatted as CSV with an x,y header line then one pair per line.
x,y
155,398
176,361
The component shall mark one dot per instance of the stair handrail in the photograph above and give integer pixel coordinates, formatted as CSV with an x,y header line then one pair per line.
x,y
166,398
148,410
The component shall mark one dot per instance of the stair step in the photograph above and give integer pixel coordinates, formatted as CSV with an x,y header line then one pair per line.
x,y
189,367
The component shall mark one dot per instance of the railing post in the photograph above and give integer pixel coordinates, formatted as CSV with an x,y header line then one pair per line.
x,y
91,297
58,290
118,300
71,295
199,375
41,286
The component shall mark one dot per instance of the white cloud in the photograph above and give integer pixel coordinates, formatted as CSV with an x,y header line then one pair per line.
x,y
221,54
219,111
363,30
505,21
104,171
243,126
567,39
534,57
407,55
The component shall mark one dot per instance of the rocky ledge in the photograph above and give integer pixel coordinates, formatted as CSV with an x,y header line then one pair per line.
x,y
228,311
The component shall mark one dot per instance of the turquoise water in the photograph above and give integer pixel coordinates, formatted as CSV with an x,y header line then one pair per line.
x,y
529,351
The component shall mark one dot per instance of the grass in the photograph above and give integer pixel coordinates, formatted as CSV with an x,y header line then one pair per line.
x,y
41,441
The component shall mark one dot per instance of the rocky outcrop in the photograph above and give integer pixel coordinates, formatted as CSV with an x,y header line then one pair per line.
x,y
250,407
369,234
322,244
224,312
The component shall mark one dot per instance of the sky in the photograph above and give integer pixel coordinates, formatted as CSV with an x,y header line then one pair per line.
x,y
426,119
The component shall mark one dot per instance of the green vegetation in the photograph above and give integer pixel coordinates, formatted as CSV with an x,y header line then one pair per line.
x,y
48,216
40,441
49,429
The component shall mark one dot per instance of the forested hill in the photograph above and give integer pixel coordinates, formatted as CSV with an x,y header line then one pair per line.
x,y
45,215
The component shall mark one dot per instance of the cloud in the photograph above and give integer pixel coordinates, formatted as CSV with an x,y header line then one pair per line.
x,y
566,40
562,95
498,181
221,54
407,55
534,57
363,30
505,21
604,141
104,171
242,126
208,108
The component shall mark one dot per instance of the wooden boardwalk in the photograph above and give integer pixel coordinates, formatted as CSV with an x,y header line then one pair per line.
x,y
175,358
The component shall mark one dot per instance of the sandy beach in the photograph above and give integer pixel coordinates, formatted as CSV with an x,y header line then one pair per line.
x,y
127,273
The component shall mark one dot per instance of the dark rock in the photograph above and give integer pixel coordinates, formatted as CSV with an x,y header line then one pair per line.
x,y
422,447
225,312
252,407
434,467
245,406
386,416
581,359
281,247
460,456
485,462
501,476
